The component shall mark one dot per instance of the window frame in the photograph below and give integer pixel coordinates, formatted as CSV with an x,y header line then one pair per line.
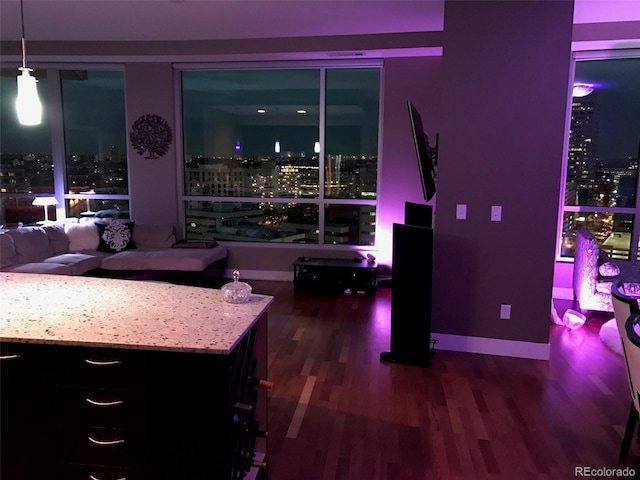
x,y
322,201
54,111
562,208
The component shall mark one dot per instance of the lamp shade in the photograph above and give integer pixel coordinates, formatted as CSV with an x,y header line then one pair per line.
x,y
44,201
582,89
28,104
573,319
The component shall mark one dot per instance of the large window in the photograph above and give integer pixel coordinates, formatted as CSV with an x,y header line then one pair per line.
x,y
281,155
77,153
26,159
93,108
602,163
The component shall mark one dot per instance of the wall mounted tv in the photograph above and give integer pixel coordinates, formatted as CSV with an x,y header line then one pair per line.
x,y
427,155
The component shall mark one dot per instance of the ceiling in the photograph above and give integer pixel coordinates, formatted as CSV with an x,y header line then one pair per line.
x,y
158,20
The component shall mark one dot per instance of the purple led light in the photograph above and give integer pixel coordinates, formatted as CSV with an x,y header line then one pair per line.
x,y
237,146
573,319
582,89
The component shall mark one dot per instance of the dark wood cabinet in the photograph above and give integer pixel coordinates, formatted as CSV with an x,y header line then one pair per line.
x,y
335,274
114,413
26,421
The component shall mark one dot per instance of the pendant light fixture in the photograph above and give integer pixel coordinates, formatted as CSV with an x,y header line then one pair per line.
x,y
28,104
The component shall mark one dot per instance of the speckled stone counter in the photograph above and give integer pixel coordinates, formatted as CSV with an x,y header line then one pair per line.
x,y
99,312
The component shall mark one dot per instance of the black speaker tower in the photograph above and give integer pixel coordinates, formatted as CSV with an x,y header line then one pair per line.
x,y
411,288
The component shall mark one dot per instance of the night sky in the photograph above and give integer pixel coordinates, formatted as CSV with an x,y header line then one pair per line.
x,y
617,91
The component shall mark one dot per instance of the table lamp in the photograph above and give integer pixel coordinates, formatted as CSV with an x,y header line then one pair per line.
x,y
45,202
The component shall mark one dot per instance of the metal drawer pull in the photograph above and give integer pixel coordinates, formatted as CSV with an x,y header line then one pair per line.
x,y
105,403
93,477
102,363
10,356
117,441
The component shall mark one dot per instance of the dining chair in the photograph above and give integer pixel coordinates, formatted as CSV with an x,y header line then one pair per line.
x,y
625,308
623,305
631,347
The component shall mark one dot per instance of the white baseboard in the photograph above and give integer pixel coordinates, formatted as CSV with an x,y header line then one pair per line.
x,y
274,276
492,346
563,293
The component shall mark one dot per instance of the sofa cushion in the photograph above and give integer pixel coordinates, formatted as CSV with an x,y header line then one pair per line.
x,y
57,238
149,236
79,263
8,254
32,244
187,259
115,236
82,236
41,267
604,287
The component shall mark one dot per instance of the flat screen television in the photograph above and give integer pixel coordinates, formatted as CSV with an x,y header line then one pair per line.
x,y
427,155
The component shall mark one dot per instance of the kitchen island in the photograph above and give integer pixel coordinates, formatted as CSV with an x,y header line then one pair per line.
x,y
105,379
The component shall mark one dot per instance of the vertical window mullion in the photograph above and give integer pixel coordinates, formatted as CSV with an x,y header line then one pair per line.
x,y
635,233
56,120
322,155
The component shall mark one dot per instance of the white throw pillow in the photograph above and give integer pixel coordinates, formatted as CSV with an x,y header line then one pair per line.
x,y
82,236
608,269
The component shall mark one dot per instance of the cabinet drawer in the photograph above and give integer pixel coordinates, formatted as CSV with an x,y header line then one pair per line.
x,y
101,407
111,447
73,471
104,368
26,413
26,365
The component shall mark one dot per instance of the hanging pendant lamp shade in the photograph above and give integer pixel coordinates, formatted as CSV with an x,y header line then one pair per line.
x,y
28,106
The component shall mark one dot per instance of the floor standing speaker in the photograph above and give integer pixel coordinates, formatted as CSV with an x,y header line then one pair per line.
x,y
411,296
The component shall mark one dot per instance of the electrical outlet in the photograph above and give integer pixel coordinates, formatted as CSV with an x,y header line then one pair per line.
x,y
461,211
505,312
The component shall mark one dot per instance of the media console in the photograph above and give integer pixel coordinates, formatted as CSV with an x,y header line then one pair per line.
x,y
357,275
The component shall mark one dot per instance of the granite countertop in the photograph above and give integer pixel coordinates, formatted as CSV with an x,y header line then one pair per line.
x,y
98,312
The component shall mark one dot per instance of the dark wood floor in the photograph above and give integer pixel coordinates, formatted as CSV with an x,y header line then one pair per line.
x,y
337,413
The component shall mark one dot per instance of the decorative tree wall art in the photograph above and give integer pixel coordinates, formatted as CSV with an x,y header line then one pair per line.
x,y
152,134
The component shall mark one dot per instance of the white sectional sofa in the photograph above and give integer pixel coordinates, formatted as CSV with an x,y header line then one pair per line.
x,y
151,253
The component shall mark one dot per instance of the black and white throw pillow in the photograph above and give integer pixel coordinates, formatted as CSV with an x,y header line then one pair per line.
x,y
115,236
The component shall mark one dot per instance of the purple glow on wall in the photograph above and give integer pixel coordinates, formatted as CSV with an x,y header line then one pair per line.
x,y
237,147
384,243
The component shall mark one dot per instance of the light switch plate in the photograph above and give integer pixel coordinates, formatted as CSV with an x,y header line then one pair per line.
x,y
496,213
505,311
461,211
